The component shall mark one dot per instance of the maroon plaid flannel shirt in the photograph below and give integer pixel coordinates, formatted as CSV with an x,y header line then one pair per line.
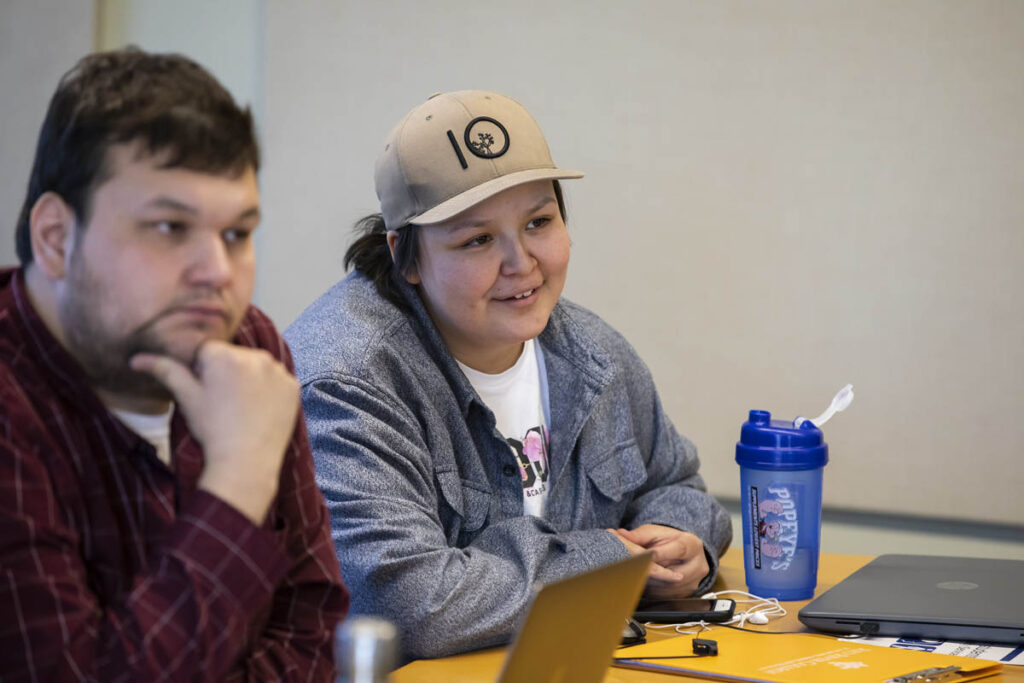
x,y
114,567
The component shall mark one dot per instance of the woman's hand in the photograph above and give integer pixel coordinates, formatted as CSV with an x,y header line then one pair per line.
x,y
679,563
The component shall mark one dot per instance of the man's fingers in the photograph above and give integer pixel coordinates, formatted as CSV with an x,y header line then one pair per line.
x,y
177,377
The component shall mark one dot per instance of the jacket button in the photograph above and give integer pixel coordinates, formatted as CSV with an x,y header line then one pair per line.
x,y
508,470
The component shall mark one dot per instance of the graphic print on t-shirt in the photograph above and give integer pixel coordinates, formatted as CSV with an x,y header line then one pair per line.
x,y
516,397
532,456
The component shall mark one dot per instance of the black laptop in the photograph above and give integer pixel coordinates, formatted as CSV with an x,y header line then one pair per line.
x,y
921,596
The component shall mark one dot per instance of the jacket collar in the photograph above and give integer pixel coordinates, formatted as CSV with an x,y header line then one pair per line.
x,y
578,368
428,333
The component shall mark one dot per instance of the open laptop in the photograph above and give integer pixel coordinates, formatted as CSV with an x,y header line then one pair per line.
x,y
920,596
574,625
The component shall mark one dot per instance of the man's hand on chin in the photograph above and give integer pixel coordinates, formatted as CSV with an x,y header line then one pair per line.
x,y
241,404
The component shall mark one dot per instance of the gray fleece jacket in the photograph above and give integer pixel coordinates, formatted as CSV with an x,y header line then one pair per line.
x,y
425,495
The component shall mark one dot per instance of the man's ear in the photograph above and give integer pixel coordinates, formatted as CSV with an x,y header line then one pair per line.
x,y
412,276
52,229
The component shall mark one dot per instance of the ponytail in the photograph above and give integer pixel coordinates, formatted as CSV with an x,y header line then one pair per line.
x,y
369,254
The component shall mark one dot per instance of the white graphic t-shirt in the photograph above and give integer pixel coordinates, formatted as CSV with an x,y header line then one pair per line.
x,y
517,398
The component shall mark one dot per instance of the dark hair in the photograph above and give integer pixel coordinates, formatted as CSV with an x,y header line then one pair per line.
x,y
166,103
369,253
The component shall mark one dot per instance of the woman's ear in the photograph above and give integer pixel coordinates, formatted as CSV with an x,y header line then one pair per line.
x,y
52,232
412,275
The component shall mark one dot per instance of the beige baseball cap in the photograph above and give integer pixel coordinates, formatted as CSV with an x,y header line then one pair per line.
x,y
456,150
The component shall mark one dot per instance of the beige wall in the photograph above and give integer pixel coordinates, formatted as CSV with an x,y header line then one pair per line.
x,y
225,36
780,198
39,41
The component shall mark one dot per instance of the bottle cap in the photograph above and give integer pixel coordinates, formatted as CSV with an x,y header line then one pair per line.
x,y
768,444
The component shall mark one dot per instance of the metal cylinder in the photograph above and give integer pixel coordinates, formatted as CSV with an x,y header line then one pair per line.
x,y
365,650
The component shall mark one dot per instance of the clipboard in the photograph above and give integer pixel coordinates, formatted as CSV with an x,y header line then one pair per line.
x,y
765,657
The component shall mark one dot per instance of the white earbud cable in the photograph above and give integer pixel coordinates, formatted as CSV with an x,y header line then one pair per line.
x,y
760,612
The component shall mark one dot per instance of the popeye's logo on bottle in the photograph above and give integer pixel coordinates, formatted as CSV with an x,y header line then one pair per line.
x,y
777,527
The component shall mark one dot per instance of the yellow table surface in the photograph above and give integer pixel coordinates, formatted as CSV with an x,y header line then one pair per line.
x,y
485,665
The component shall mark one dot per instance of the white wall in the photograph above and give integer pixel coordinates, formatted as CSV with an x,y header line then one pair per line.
x,y
39,41
780,198
225,36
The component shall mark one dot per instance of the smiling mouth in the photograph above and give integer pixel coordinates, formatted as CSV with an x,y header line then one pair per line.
x,y
521,296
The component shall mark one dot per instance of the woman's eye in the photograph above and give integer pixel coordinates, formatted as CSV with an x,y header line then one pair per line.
x,y
477,241
169,227
539,222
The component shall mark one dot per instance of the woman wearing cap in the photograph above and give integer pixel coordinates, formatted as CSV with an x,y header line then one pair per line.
x,y
473,432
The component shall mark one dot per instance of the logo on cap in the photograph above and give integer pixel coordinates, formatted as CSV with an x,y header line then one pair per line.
x,y
483,129
481,135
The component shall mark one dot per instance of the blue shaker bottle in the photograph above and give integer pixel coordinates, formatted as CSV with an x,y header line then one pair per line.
x,y
781,469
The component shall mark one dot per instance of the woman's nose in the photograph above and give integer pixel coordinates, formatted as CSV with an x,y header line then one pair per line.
x,y
517,258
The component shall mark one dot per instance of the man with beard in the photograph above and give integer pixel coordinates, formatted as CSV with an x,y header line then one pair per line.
x,y
159,519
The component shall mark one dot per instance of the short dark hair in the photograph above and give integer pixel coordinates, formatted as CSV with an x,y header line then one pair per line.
x,y
369,253
166,103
